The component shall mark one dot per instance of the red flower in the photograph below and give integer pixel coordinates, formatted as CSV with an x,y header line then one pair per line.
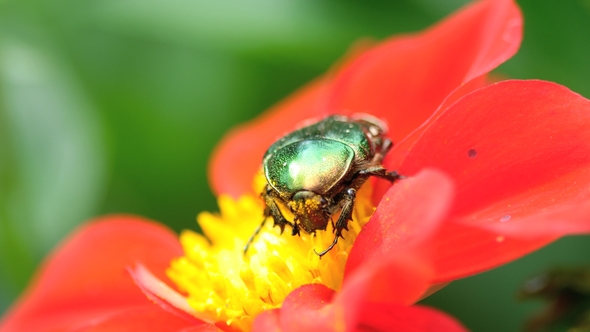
x,y
514,158
517,151
85,285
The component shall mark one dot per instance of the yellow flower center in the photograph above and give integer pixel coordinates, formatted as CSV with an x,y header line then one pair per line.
x,y
226,285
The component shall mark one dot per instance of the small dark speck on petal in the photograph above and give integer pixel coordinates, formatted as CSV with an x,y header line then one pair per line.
x,y
472,153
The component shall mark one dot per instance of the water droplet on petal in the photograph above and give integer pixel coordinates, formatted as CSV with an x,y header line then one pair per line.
x,y
472,153
505,218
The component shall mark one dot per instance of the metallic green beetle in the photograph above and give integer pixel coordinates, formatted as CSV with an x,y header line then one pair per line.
x,y
316,170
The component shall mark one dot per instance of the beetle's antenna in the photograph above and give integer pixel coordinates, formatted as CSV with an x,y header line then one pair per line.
x,y
251,239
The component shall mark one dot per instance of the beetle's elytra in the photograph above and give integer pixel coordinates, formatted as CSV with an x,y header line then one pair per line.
x,y
316,170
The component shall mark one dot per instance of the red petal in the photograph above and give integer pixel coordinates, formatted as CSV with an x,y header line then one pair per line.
x,y
409,213
405,79
393,317
238,156
398,279
563,219
309,308
461,251
318,308
268,321
519,153
85,279
142,318
163,295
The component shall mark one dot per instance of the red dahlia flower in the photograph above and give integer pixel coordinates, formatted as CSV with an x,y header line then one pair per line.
x,y
494,172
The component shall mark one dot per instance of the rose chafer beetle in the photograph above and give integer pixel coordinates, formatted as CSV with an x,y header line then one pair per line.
x,y
316,170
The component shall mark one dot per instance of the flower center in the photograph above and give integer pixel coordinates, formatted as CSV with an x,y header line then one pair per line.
x,y
225,284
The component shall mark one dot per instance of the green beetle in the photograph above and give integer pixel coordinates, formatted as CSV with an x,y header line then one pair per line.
x,y
316,170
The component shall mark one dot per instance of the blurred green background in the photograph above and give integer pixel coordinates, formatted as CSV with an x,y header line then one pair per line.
x,y
114,106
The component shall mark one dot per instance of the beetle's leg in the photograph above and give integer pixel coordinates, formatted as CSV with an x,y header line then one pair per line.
x,y
271,210
382,173
385,147
379,171
251,239
295,230
342,223
382,150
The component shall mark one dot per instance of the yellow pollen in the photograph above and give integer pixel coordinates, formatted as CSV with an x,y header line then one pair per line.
x,y
226,285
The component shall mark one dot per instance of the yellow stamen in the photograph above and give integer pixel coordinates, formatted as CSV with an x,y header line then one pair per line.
x,y
224,284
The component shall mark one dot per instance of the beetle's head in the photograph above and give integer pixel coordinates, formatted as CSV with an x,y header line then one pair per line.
x,y
310,209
